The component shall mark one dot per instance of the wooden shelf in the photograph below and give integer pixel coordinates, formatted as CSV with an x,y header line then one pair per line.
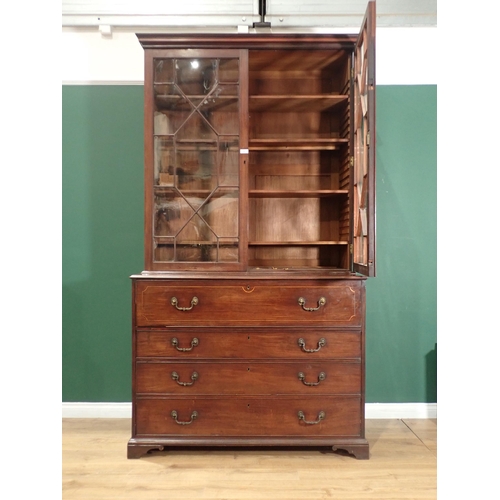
x,y
296,243
316,193
302,143
295,103
252,193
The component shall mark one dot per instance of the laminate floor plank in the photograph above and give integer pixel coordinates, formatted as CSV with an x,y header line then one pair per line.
x,y
402,466
426,430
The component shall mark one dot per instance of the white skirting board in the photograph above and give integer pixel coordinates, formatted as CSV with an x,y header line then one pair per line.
x,y
372,410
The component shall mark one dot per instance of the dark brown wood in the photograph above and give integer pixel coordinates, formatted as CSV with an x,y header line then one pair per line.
x,y
246,378
255,40
253,376
140,446
148,160
249,317
238,343
237,416
360,450
243,303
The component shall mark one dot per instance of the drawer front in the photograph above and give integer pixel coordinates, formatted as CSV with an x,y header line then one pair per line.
x,y
247,378
210,344
249,417
229,303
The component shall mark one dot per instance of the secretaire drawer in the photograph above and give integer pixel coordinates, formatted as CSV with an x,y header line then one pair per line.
x,y
192,343
247,378
194,302
290,416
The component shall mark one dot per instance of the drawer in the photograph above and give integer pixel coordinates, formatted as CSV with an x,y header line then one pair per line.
x,y
193,302
247,378
335,416
248,344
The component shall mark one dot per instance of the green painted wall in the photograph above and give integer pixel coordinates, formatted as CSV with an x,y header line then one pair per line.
x,y
402,299
102,243
102,210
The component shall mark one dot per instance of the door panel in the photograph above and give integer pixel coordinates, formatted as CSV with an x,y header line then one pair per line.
x,y
364,147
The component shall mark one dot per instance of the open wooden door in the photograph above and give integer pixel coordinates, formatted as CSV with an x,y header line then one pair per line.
x,y
364,147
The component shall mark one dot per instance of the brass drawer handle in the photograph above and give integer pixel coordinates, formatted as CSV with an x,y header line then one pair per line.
x,y
302,344
302,378
194,416
194,343
174,302
194,378
302,303
321,416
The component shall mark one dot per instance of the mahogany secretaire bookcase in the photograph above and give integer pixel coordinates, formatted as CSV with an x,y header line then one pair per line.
x,y
249,317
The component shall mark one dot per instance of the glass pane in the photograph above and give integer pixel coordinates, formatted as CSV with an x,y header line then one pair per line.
x,y
163,76
196,168
171,111
173,213
228,250
189,253
196,76
196,128
196,231
228,160
221,214
168,123
164,161
220,109
164,71
196,160
195,241
164,251
225,251
361,158
169,99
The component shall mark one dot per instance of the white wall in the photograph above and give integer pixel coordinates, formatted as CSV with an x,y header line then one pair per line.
x,y
404,56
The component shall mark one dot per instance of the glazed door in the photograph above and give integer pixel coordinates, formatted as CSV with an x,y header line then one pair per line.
x,y
194,134
364,147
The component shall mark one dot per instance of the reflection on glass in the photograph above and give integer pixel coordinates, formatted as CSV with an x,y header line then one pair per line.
x,y
221,213
164,71
196,77
196,169
228,251
164,251
164,161
228,158
173,213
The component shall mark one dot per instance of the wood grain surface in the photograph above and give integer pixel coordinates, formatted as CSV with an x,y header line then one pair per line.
x,y
402,466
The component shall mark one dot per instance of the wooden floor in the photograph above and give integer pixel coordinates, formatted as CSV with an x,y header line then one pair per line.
x,y
402,465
